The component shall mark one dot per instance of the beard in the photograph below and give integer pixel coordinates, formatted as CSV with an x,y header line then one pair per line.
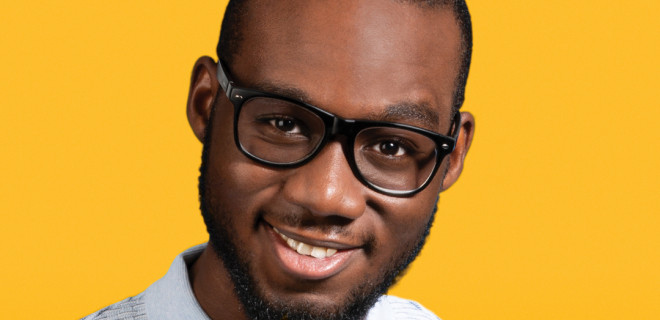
x,y
359,298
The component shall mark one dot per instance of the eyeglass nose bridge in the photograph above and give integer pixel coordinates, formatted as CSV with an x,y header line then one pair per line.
x,y
345,128
338,127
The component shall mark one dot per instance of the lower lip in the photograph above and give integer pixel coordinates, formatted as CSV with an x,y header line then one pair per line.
x,y
307,267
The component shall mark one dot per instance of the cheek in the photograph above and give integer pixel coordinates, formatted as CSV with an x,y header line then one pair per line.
x,y
239,182
234,181
406,219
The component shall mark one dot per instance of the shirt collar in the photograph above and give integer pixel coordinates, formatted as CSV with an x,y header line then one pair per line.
x,y
172,297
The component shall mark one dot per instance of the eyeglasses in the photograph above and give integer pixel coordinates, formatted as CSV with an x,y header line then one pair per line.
x,y
391,158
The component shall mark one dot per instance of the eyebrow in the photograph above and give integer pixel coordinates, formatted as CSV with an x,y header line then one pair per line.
x,y
418,114
283,90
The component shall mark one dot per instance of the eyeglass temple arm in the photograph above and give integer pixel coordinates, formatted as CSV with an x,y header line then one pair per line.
x,y
225,82
457,128
457,125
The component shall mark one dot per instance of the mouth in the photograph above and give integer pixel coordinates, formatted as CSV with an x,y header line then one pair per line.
x,y
306,249
309,259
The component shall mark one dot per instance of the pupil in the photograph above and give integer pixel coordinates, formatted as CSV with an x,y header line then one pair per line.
x,y
285,124
389,148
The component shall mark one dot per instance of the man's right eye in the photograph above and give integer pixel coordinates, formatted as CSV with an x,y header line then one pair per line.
x,y
282,126
287,125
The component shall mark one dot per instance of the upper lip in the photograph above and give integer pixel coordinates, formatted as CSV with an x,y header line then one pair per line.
x,y
327,241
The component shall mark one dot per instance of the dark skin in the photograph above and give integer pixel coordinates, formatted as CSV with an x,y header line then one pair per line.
x,y
356,59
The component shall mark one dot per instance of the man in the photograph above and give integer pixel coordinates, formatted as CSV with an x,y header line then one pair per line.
x,y
329,130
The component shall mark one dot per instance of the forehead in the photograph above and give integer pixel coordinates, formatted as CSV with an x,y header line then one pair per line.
x,y
353,58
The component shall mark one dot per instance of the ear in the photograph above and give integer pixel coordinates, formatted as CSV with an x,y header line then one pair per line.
x,y
457,157
201,97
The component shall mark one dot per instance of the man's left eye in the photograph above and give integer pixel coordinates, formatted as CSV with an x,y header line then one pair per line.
x,y
390,148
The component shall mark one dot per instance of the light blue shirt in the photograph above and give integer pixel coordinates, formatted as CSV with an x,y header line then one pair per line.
x,y
172,298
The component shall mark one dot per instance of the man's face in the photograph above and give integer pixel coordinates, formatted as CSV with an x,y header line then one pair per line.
x,y
376,60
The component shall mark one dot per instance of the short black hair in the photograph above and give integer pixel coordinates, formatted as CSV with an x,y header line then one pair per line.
x,y
236,11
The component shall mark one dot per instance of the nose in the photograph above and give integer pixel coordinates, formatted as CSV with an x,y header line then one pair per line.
x,y
326,185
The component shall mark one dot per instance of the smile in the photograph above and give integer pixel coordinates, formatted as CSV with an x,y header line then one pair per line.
x,y
307,249
311,259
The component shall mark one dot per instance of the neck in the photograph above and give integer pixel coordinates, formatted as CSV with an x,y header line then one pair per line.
x,y
214,289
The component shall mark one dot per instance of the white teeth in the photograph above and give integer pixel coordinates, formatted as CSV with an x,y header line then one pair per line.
x,y
292,243
318,252
306,249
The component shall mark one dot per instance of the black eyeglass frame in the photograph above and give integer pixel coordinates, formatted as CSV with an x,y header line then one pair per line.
x,y
335,125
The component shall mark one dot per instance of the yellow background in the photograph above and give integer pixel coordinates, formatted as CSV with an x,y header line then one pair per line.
x,y
555,216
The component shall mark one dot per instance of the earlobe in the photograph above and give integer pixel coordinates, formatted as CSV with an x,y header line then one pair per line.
x,y
457,157
201,96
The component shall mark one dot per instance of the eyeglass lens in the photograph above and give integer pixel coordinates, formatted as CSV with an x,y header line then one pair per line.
x,y
282,132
